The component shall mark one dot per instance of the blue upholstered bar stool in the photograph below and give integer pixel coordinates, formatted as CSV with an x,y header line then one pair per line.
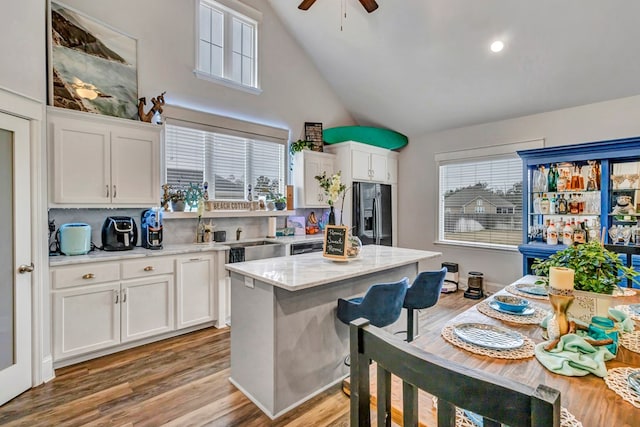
x,y
423,293
381,305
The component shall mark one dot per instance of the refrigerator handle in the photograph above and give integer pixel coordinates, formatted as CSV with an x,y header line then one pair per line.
x,y
375,221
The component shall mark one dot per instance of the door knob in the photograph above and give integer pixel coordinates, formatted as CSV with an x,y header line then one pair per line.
x,y
25,268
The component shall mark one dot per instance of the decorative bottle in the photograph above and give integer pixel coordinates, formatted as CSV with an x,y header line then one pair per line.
x,y
552,235
544,204
332,216
567,234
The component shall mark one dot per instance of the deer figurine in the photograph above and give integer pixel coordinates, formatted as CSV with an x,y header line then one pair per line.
x,y
157,107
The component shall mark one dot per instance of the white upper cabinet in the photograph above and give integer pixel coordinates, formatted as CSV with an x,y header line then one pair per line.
x,y
368,166
98,161
362,162
307,165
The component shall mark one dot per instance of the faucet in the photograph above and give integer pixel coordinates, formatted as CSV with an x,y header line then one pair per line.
x,y
238,231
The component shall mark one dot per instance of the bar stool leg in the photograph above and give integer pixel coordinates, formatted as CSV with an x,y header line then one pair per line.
x,y
409,325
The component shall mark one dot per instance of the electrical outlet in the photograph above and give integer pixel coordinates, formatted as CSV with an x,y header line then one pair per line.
x,y
248,282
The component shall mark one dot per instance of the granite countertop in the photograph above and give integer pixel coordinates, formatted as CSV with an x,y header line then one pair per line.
x,y
309,270
176,249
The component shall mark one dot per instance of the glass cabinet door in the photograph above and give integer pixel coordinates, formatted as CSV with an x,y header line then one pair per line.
x,y
624,202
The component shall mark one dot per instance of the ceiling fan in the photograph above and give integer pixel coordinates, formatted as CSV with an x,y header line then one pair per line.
x,y
369,5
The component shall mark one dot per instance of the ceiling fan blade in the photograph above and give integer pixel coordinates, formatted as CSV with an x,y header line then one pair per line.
x,y
306,4
369,5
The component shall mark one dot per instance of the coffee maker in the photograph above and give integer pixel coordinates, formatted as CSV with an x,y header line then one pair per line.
x,y
119,233
151,228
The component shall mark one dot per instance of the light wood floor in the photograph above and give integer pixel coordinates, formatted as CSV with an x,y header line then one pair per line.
x,y
180,381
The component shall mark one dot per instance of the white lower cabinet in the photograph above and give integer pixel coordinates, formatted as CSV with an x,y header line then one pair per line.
x,y
106,304
146,307
111,304
195,296
85,319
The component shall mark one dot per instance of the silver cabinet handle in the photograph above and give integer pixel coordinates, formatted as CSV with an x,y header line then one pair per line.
x,y
25,268
117,295
195,259
124,296
107,190
115,192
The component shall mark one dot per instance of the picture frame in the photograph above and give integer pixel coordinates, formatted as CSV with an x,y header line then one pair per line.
x,y
313,134
92,66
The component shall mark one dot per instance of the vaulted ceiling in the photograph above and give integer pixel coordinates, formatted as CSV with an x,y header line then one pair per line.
x,y
418,66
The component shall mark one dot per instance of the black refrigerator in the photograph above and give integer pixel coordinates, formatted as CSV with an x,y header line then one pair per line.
x,y
372,213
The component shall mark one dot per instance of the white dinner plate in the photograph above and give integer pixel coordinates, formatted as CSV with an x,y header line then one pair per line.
x,y
488,336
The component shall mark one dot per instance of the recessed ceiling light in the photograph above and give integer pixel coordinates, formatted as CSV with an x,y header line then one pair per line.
x,y
497,46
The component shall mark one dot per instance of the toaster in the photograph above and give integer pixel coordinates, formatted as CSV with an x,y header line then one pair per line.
x,y
119,233
75,238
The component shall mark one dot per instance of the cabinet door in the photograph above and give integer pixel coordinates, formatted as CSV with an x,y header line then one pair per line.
x,y
147,307
378,167
85,319
360,165
392,170
135,171
80,162
195,297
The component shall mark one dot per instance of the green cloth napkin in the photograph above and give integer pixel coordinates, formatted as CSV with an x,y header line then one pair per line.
x,y
574,357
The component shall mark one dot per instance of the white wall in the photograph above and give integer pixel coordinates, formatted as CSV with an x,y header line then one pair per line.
x,y
23,48
418,174
293,89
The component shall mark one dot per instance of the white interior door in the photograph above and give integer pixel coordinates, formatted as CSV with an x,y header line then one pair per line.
x,y
15,258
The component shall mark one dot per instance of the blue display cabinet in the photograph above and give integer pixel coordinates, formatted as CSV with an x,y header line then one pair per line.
x,y
595,186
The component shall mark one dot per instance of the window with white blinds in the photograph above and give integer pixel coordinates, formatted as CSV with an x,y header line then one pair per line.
x,y
231,165
481,201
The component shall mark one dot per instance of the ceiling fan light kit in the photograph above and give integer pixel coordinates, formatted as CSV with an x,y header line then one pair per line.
x,y
369,5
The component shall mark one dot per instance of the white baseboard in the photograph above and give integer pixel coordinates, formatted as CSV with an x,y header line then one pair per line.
x,y
47,369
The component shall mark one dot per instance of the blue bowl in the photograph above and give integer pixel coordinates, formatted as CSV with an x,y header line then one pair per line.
x,y
511,303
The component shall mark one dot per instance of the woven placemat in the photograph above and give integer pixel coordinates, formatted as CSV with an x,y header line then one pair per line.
x,y
616,380
566,419
462,420
524,352
514,290
534,319
626,310
631,341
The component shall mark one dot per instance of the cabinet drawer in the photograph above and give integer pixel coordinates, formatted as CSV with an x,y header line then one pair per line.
x,y
86,274
146,267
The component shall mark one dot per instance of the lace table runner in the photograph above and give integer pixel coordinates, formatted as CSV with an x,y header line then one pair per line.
x,y
523,352
616,380
533,319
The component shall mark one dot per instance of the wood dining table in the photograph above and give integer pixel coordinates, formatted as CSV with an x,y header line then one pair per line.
x,y
588,397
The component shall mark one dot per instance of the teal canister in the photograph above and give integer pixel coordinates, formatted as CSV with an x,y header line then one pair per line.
x,y
75,238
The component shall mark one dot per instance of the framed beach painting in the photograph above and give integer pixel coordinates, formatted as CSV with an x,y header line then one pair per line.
x,y
93,67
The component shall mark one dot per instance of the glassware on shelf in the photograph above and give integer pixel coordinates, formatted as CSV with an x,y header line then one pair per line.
x,y
625,233
617,181
632,178
552,178
613,234
540,179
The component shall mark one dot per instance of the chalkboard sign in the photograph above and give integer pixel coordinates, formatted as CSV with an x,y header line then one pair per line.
x,y
335,242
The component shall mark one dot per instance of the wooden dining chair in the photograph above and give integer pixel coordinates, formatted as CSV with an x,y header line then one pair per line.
x,y
498,400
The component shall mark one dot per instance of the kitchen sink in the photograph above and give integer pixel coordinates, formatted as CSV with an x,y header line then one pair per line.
x,y
250,251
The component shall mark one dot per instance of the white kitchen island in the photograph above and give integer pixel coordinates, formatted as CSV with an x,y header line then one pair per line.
x,y
287,344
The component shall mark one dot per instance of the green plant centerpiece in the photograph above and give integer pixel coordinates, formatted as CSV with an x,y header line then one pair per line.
x,y
596,268
300,145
